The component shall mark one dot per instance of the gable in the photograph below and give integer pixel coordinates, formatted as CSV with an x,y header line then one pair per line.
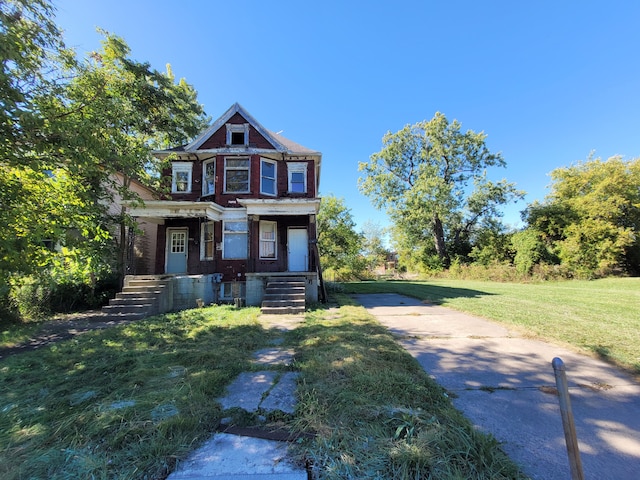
x,y
218,138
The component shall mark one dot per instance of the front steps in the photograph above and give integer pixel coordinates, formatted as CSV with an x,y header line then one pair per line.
x,y
140,297
284,295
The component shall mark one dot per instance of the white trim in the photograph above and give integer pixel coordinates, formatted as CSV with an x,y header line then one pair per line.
x,y
177,167
275,177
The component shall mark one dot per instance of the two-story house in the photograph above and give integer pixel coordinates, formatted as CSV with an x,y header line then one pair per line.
x,y
241,215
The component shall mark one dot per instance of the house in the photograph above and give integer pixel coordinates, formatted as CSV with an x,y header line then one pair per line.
x,y
239,224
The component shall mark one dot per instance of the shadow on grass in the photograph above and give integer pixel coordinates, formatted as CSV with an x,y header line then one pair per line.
x,y
421,290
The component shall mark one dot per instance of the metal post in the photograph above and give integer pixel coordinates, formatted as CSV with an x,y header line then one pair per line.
x,y
575,464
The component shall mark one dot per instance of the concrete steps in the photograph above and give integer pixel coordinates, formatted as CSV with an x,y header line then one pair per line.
x,y
284,296
140,297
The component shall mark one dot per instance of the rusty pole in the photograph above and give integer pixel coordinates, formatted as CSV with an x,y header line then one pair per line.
x,y
575,463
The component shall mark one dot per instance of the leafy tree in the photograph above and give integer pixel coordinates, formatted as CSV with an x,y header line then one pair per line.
x,y
339,244
66,126
591,218
431,179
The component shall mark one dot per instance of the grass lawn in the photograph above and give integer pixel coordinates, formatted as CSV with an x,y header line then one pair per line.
x,y
601,317
128,402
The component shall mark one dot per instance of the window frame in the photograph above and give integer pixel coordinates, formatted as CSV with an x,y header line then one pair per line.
x,y
204,241
273,179
227,169
237,128
274,240
181,167
205,164
297,167
229,233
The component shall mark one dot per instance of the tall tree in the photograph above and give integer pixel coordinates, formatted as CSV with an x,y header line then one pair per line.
x,y
431,179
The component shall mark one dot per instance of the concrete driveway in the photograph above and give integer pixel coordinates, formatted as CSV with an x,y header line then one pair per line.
x,y
504,384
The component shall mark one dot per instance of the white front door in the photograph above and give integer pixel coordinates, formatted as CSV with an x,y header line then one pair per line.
x,y
177,242
298,248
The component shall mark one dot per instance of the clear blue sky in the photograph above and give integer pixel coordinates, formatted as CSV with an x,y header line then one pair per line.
x,y
549,82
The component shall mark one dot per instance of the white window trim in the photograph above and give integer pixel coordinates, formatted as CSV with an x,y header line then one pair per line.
x,y
225,233
275,177
237,128
203,249
297,167
275,240
204,176
181,167
235,168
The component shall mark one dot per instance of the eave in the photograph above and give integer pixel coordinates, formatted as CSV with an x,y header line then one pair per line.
x,y
280,206
158,210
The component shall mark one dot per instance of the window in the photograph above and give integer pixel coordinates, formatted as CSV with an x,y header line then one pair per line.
x,y
297,177
207,245
209,177
268,236
238,134
234,240
267,177
236,175
181,177
231,290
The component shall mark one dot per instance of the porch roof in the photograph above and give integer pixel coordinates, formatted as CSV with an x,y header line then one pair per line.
x,y
280,206
161,209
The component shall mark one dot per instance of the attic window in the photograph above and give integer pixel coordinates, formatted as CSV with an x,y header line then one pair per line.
x,y
237,134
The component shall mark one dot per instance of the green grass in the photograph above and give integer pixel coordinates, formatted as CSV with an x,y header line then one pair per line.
x,y
600,317
130,401
377,413
123,402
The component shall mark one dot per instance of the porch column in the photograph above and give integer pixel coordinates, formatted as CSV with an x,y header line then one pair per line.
x,y
253,224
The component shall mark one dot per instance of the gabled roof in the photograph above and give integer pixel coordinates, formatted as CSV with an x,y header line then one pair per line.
x,y
280,143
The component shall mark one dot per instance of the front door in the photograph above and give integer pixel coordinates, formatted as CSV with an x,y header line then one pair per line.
x,y
177,242
298,249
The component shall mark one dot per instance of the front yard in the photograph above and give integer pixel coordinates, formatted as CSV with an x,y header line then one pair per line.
x,y
130,401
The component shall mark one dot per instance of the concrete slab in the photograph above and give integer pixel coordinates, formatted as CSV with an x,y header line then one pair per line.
x,y
498,380
235,457
274,356
281,322
282,396
247,390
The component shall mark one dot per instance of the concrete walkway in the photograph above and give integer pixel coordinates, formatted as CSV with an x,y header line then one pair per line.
x,y
242,455
505,385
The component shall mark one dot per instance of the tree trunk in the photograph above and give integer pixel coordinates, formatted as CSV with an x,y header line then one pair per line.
x,y
438,237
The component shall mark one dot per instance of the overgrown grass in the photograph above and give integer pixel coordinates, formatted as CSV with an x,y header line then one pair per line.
x,y
376,412
128,402
600,317
124,402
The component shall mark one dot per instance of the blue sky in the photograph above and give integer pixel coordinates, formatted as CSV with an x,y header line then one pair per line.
x,y
549,82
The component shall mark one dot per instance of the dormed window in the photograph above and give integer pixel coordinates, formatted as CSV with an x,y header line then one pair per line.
x,y
236,175
181,177
297,177
238,134
209,177
268,184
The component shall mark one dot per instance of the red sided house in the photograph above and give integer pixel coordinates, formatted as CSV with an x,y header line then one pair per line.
x,y
240,222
